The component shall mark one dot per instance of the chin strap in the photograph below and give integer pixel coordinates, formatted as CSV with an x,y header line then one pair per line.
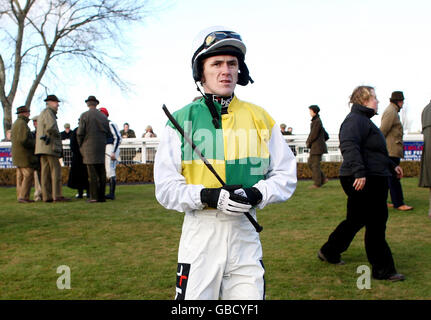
x,y
210,104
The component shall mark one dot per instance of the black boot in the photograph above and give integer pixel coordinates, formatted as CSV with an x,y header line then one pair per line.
x,y
112,183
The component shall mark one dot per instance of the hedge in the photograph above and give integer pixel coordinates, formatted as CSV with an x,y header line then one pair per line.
x,y
143,173
331,169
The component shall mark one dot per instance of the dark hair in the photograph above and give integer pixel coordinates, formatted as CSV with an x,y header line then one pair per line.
x,y
315,108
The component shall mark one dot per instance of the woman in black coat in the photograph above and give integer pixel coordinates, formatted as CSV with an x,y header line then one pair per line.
x,y
78,175
364,178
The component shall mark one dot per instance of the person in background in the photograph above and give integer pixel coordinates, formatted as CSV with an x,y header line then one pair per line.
x,y
50,149
392,129
289,131
149,133
66,133
37,173
7,137
317,145
283,129
23,155
364,176
127,132
112,153
78,175
92,134
425,173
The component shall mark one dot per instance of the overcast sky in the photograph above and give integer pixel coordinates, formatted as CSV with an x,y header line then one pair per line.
x,y
300,52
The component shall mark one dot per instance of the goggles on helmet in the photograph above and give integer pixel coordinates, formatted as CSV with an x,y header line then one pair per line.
x,y
215,37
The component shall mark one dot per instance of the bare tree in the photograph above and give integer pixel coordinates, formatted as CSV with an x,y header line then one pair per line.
x,y
37,34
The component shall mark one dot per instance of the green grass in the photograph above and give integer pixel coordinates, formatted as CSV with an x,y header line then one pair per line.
x,y
127,248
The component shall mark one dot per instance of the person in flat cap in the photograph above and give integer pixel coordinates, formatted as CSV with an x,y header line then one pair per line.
x,y
392,129
50,149
23,154
317,145
283,129
93,133
66,133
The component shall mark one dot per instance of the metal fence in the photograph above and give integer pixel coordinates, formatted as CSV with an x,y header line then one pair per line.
x,y
143,150
132,151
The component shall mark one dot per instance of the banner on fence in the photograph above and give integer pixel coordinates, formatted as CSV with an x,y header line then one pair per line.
x,y
413,150
5,158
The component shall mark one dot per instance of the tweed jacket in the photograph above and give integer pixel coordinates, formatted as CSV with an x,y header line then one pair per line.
x,y
23,144
392,129
92,134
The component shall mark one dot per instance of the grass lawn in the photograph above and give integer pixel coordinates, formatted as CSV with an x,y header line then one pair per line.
x,y
127,248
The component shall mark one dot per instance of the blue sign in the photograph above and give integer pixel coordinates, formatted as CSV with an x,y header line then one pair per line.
x,y
413,150
6,158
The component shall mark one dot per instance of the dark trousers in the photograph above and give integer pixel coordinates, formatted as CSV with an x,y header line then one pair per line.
x,y
364,208
316,172
395,187
97,181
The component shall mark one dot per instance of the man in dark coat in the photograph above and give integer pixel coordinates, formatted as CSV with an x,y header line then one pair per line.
x,y
23,154
316,143
92,134
425,173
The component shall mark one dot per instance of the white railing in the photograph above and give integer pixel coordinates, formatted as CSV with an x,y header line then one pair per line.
x,y
143,150
298,145
132,151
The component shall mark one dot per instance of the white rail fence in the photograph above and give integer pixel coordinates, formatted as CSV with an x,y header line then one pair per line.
x,y
143,150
